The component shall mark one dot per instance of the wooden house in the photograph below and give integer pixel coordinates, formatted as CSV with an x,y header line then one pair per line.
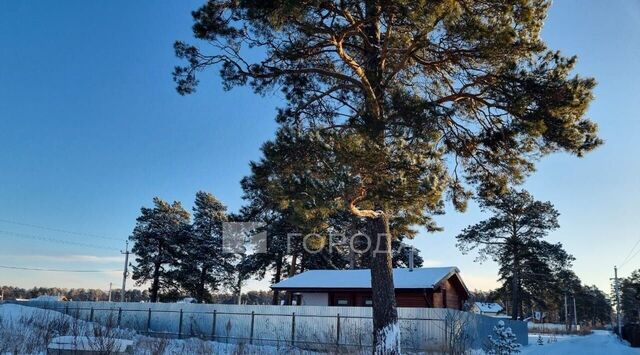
x,y
439,287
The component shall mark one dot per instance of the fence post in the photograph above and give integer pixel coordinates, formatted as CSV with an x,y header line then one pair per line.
x,y
338,329
66,309
180,326
148,321
213,326
253,316
293,328
91,315
119,316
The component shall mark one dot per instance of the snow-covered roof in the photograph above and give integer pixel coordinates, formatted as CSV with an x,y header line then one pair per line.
x,y
361,278
47,298
488,307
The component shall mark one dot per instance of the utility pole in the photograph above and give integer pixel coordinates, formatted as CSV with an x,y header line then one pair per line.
x,y
110,284
575,315
126,270
616,286
566,316
411,251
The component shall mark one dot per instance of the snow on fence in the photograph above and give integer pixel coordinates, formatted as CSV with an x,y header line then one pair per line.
x,y
301,326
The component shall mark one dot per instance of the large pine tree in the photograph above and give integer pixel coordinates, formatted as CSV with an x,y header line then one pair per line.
x,y
158,238
388,92
513,237
203,265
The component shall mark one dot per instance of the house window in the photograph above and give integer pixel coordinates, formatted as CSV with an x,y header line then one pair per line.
x,y
368,302
342,302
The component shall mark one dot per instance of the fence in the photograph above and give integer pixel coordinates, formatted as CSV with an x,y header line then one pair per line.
x,y
423,329
552,327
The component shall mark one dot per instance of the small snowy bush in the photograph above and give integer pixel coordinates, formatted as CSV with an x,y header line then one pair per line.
x,y
503,342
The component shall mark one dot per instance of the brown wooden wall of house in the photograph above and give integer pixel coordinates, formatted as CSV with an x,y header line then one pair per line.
x,y
418,298
411,299
450,294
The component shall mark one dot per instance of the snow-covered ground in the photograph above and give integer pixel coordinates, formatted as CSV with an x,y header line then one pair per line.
x,y
28,330
599,343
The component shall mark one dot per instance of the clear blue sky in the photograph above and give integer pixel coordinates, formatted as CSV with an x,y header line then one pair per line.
x,y
91,129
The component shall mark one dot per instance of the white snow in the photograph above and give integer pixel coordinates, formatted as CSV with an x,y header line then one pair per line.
x,y
391,336
69,342
599,343
361,278
29,331
502,341
47,298
188,300
21,330
488,307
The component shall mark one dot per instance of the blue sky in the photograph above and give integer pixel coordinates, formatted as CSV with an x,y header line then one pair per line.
x,y
91,129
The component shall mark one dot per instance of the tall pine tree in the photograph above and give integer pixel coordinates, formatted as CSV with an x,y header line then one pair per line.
x,y
158,237
389,91
513,238
203,265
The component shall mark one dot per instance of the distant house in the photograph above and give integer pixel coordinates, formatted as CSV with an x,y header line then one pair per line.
x,y
487,309
439,287
47,298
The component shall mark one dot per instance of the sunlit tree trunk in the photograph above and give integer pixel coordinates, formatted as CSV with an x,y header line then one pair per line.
x,y
385,317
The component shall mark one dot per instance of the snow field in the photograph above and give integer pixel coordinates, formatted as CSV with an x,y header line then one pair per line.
x,y
28,331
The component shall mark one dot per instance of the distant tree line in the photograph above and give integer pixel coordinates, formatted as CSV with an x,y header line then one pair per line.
x,y
75,294
134,295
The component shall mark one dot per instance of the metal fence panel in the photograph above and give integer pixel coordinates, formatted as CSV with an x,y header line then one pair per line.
x,y
304,326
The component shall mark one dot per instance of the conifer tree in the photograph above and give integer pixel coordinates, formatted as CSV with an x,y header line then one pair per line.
x,y
203,265
158,237
385,96
630,297
502,342
513,238
335,228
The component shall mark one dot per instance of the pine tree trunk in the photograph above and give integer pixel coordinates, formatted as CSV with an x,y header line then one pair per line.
x,y
386,331
515,293
155,285
201,284
276,279
292,267
239,286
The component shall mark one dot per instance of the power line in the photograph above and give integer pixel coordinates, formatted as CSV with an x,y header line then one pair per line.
x,y
54,240
630,252
58,230
631,258
52,270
